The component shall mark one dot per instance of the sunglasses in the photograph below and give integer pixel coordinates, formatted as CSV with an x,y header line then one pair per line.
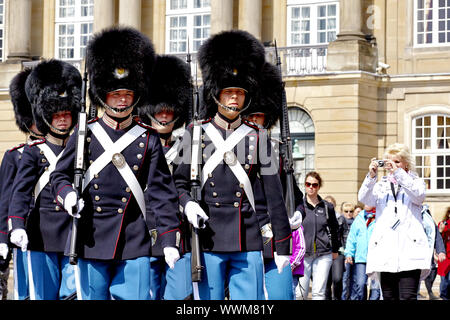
x,y
314,185
348,211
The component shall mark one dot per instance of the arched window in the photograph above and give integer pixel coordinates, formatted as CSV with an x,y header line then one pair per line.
x,y
431,150
302,136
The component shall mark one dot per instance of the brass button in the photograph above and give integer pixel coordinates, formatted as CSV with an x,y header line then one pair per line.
x,y
139,156
41,152
97,198
203,145
217,204
252,147
241,185
249,157
212,184
127,189
143,135
214,194
46,168
99,209
135,167
204,156
141,144
236,204
57,208
252,138
96,186
44,160
202,136
209,175
120,210
88,139
124,199
96,176
238,194
247,166
91,161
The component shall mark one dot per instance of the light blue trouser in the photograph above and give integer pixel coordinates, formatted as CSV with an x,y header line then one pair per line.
x,y
278,285
242,271
118,280
170,284
51,276
20,274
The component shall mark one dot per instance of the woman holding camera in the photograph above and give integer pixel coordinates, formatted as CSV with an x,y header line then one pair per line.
x,y
398,248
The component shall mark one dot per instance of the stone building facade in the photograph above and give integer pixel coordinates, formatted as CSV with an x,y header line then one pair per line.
x,y
359,74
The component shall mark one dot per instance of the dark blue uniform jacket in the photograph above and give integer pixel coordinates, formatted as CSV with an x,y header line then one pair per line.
x,y
111,224
233,225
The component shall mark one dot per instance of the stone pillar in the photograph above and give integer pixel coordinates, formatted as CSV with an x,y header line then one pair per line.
x,y
250,16
130,13
104,13
351,50
221,15
19,30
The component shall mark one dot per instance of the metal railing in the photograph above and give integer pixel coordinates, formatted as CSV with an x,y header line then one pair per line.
x,y
295,61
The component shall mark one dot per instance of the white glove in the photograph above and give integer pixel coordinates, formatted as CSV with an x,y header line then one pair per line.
x,y
281,262
296,220
19,238
3,250
194,213
171,255
70,201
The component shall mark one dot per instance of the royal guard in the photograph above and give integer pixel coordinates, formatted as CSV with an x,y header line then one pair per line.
x,y
54,90
8,170
265,113
126,172
233,153
166,111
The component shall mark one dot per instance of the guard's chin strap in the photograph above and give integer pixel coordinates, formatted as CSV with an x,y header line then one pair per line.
x,y
58,131
117,110
162,124
232,109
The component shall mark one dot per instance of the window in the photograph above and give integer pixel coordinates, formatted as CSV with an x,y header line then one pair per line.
x,y
73,28
431,22
187,20
302,136
2,28
431,150
312,22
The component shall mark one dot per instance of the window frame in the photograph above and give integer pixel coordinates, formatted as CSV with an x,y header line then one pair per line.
x,y
314,21
189,13
434,152
435,27
2,28
77,20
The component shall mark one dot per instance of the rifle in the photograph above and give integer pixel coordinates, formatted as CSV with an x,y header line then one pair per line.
x,y
195,183
79,165
286,147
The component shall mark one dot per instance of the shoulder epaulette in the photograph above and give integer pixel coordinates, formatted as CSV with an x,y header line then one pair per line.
x,y
143,124
36,142
93,120
201,122
16,147
252,125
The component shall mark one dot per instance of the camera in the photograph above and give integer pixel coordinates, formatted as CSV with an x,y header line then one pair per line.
x,y
380,163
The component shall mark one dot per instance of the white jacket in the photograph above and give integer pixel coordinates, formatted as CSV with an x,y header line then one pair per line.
x,y
404,247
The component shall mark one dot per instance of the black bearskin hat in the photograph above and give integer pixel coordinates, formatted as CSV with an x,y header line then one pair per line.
x,y
230,59
21,105
119,58
170,90
53,86
269,99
